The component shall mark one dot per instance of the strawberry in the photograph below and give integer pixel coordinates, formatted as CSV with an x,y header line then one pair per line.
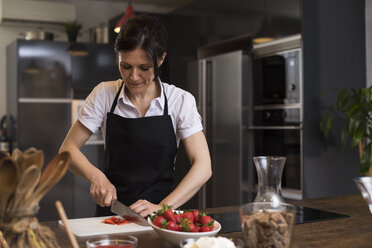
x,y
205,229
194,228
206,220
186,224
169,215
178,217
196,215
160,221
165,207
171,225
188,215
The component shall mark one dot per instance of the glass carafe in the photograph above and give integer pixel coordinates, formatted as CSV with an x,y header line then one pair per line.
x,y
269,173
364,184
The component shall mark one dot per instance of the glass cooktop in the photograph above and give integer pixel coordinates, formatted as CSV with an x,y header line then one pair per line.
x,y
230,221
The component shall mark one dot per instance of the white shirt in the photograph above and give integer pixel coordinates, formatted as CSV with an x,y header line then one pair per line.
x,y
181,107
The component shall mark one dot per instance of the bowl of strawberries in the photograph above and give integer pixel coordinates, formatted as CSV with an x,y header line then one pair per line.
x,y
176,225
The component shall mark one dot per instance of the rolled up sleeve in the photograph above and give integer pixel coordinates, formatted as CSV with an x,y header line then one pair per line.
x,y
189,120
92,112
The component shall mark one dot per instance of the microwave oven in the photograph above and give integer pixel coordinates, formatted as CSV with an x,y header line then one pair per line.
x,y
277,78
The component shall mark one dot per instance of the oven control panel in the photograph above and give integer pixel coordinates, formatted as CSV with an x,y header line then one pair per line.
x,y
277,117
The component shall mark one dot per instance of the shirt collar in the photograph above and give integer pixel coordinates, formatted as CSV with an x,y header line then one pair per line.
x,y
159,100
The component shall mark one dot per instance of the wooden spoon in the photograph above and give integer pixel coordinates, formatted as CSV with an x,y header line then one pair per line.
x,y
62,214
3,155
51,175
16,154
8,182
30,150
3,241
27,182
30,158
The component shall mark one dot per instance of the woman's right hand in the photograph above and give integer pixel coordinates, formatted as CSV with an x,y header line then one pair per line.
x,y
102,191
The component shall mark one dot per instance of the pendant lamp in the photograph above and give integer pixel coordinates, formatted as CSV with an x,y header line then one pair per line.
x,y
129,12
265,33
77,49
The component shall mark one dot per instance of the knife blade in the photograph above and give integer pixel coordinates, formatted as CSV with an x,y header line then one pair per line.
x,y
127,213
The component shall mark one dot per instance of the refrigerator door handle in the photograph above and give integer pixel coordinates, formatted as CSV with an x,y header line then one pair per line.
x,y
202,89
202,92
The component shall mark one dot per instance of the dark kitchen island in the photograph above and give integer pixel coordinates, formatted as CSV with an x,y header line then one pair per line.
x,y
353,231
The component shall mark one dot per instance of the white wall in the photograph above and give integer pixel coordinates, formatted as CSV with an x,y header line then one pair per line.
x,y
369,41
88,13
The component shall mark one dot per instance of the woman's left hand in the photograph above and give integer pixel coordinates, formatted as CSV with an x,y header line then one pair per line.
x,y
144,207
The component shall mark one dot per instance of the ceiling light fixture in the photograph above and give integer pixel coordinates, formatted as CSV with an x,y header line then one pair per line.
x,y
129,12
77,49
265,32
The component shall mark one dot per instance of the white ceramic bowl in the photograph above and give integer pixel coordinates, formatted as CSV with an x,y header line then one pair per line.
x,y
176,237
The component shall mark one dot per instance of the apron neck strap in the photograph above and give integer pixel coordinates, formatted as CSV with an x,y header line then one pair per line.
x,y
165,112
116,98
165,103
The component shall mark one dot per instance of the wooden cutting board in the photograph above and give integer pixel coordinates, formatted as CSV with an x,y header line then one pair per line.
x,y
92,226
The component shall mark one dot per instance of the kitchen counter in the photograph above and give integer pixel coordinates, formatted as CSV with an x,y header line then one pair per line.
x,y
354,231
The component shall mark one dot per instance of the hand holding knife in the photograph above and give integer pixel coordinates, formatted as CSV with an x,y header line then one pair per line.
x,y
127,213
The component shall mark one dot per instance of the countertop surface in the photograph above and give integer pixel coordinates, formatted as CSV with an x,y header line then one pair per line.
x,y
354,231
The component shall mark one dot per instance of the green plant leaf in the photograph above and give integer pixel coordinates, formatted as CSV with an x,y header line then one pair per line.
x,y
366,159
352,125
73,27
369,133
343,98
365,94
354,108
358,134
344,137
326,124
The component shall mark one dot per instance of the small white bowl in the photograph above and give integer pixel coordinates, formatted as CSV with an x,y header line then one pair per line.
x,y
237,242
175,237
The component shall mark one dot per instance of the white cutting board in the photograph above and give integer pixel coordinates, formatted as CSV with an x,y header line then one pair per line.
x,y
92,226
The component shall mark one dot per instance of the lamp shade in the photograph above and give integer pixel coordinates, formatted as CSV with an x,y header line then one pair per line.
x,y
265,33
77,49
129,12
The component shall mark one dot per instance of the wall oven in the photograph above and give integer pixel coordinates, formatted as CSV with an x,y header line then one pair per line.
x,y
275,127
277,78
279,132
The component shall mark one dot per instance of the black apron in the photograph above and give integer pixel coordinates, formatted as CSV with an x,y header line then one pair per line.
x,y
139,156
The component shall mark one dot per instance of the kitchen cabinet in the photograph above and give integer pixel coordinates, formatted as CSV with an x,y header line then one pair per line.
x,y
43,81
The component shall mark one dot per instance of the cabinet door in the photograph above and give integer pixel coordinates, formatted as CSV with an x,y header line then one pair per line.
x,y
44,69
97,66
44,126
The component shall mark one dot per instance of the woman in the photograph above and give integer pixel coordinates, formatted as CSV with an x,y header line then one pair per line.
x,y
142,120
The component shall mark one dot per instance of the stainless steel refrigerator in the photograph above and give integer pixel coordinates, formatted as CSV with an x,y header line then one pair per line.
x,y
221,86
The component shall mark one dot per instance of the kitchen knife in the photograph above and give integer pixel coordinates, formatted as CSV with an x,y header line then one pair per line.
x,y
127,213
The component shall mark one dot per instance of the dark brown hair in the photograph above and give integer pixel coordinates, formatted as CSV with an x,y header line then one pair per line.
x,y
145,32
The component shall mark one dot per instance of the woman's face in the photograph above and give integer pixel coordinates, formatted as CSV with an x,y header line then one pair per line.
x,y
137,70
